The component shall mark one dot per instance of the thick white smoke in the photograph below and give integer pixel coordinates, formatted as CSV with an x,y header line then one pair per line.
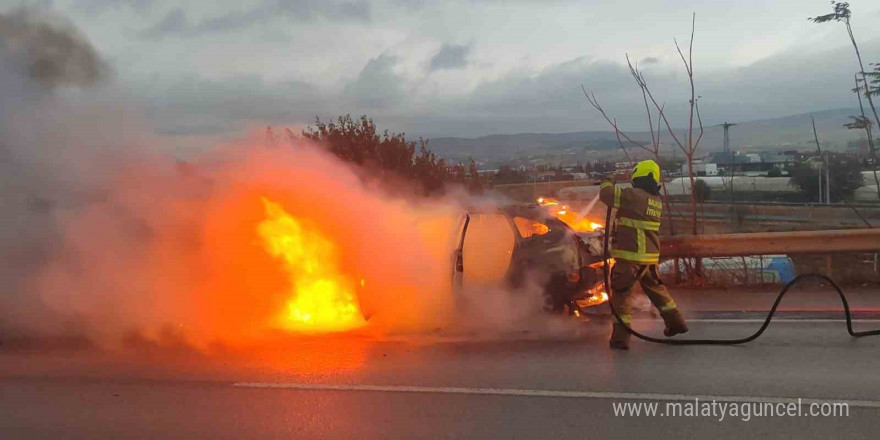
x,y
105,235
38,55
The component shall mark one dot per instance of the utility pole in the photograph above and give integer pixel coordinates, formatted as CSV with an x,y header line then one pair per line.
x,y
727,126
827,180
726,150
821,155
828,268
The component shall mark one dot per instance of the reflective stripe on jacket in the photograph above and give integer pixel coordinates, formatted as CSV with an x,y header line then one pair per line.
x,y
638,222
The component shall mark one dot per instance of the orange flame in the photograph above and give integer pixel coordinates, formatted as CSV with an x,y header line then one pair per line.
x,y
322,299
593,300
569,217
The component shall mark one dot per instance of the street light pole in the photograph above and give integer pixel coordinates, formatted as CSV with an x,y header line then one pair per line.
x,y
827,180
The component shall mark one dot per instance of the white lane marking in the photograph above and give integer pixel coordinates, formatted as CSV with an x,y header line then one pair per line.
x,y
548,393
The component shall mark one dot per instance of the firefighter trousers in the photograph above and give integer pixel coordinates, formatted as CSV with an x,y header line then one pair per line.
x,y
624,275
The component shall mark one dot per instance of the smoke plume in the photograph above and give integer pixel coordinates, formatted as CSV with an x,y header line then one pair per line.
x,y
38,55
48,50
106,235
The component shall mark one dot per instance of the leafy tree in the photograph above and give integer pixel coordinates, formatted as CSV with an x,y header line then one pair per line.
x,y
874,79
474,183
870,81
507,175
388,156
846,177
670,164
775,172
430,171
458,175
702,191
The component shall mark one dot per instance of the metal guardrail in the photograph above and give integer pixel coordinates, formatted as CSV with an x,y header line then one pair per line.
x,y
839,205
765,243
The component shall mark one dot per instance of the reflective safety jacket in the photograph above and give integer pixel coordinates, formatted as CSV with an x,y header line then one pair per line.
x,y
636,232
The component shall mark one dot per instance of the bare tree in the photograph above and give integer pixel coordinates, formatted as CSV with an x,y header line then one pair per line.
x,y
270,137
690,144
291,138
653,149
862,122
842,13
613,122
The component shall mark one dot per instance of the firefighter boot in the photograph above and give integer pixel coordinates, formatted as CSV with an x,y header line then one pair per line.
x,y
619,337
674,323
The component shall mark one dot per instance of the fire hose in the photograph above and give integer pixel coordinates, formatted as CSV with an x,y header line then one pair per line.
x,y
607,281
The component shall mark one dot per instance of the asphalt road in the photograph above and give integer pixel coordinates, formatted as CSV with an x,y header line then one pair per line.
x,y
560,384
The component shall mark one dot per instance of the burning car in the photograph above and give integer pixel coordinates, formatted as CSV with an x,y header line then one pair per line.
x,y
522,244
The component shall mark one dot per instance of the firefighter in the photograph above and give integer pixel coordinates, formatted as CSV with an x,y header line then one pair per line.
x,y
635,246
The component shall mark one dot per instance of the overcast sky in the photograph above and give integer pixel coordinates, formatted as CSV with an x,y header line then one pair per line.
x,y
464,68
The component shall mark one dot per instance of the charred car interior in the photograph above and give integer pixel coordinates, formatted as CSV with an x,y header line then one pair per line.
x,y
527,244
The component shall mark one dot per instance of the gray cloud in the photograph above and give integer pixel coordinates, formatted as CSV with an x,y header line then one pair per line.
x,y
176,22
451,56
377,85
98,6
548,101
173,23
42,143
537,93
551,100
193,105
49,50
422,4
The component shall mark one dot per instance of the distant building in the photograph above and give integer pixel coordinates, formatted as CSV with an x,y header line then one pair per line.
x,y
623,171
753,164
545,176
681,186
816,162
624,167
781,161
701,169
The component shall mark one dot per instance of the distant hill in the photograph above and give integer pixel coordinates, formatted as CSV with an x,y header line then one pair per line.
x,y
788,132
524,143
795,131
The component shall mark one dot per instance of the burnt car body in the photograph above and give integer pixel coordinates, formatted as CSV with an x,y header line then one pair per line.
x,y
540,249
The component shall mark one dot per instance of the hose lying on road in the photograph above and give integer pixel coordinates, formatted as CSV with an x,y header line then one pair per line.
x,y
789,285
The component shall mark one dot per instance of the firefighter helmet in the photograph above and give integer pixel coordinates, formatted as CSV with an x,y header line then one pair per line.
x,y
647,168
